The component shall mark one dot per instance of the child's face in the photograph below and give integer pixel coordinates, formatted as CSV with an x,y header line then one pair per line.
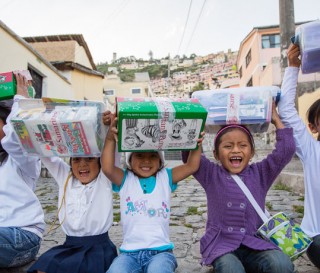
x,y
234,151
145,164
315,128
85,169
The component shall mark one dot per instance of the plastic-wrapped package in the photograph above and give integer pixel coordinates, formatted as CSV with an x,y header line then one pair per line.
x,y
52,127
251,106
307,36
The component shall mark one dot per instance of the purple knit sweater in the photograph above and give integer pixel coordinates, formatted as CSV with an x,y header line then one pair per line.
x,y
232,220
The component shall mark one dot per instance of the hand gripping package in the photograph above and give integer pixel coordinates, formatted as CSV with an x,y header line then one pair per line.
x,y
54,127
251,106
148,124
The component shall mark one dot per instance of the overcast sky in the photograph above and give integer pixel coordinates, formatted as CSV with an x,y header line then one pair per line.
x,y
134,27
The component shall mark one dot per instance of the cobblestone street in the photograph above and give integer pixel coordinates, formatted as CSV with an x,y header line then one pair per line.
x,y
188,217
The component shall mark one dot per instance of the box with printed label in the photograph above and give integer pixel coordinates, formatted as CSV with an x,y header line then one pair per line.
x,y
8,86
148,124
251,106
53,127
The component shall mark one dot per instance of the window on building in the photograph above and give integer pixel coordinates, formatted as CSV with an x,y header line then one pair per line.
x,y
109,92
249,83
248,58
136,90
271,41
240,72
37,81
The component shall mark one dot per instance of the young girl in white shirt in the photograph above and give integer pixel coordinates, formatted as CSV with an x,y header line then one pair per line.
x,y
145,189
85,214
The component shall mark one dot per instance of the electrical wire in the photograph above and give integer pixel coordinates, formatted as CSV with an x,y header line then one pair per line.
x,y
185,26
194,29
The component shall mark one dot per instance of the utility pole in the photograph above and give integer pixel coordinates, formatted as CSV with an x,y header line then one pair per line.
x,y
287,30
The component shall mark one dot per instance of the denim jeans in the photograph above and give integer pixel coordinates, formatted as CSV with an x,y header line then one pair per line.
x,y
246,260
313,251
144,261
17,246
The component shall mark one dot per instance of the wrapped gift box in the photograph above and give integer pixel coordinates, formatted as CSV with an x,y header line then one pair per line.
x,y
8,86
251,106
147,124
52,127
308,38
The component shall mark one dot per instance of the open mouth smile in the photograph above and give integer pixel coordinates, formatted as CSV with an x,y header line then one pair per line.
x,y
235,161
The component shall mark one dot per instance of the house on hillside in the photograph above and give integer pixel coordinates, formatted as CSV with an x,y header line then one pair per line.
x,y
70,54
114,87
258,64
258,60
17,54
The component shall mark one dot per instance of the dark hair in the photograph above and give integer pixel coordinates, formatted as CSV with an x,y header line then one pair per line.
x,y
228,128
313,114
5,110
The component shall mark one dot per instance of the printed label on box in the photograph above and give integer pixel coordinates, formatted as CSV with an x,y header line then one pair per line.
x,y
152,134
60,129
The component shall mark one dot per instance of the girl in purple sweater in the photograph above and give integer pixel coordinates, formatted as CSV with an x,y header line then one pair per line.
x,y
230,243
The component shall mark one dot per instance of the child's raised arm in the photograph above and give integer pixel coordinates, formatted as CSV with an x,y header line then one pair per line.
x,y
108,167
191,166
275,118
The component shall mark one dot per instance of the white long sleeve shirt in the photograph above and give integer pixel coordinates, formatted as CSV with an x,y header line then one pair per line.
x,y
307,149
88,209
19,205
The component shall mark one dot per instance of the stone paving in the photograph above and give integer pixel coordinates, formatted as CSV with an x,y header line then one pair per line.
x,y
187,221
188,218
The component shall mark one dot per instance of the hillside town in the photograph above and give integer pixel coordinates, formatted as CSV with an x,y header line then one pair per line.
x,y
62,67
185,75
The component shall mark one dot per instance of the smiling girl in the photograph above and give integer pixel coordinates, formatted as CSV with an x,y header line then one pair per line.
x,y
145,188
85,214
230,242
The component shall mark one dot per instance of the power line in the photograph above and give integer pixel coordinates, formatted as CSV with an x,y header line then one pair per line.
x,y
185,26
194,29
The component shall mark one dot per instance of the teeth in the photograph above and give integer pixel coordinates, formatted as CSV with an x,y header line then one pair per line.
x,y
235,158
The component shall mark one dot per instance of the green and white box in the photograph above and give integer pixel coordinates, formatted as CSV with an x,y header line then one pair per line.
x,y
148,124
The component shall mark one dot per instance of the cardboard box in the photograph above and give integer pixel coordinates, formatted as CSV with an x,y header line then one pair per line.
x,y
148,124
251,106
51,127
8,86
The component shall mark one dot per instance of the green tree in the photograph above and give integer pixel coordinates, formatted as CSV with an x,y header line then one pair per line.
x,y
199,86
